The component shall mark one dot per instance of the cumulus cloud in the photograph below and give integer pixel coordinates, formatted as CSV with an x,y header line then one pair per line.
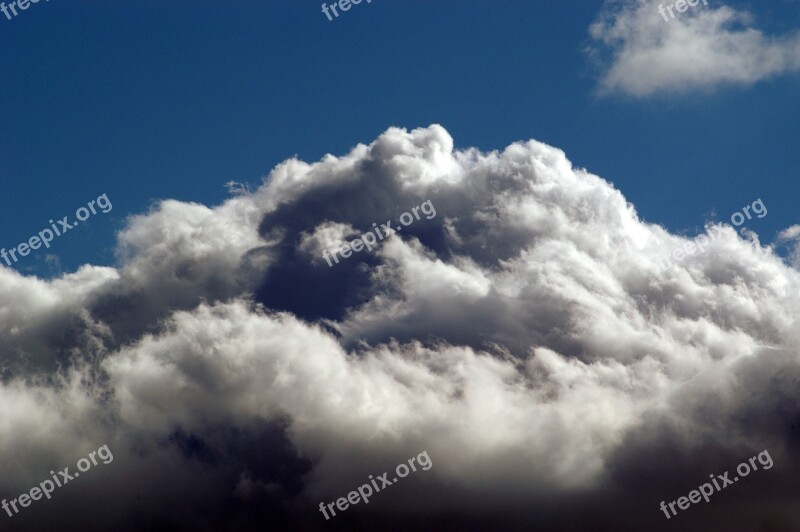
x,y
641,53
529,338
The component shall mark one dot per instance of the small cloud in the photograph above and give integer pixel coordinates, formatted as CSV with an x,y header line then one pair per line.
x,y
790,233
791,236
53,264
237,189
702,48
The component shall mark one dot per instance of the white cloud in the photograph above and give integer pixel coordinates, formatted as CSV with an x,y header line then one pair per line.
x,y
702,48
527,337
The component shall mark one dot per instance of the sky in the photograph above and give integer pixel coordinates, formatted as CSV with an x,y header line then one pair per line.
x,y
494,237
159,101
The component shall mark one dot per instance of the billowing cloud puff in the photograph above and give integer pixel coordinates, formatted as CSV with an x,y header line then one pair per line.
x,y
529,336
644,50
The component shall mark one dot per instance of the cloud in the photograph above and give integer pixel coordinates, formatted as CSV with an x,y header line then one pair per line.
x,y
641,53
791,236
528,338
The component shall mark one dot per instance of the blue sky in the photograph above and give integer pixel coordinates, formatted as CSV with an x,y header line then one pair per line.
x,y
158,100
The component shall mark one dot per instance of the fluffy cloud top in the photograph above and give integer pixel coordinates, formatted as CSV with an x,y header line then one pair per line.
x,y
528,337
703,47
